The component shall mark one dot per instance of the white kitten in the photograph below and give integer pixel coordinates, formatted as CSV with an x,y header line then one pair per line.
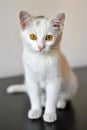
x,y
49,80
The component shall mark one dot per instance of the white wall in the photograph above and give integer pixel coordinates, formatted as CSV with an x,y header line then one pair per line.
x,y
75,32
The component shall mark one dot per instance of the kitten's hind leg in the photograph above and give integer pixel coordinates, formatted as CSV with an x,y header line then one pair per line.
x,y
43,98
16,88
61,104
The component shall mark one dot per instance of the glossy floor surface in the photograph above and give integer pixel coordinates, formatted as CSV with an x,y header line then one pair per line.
x,y
14,108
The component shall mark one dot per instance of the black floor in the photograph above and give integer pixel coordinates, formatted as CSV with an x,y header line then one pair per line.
x,y
14,108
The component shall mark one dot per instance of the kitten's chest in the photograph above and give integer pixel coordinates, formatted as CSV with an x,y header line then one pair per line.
x,y
36,63
40,67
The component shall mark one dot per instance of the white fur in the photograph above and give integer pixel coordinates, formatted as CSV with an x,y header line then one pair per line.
x,y
49,80
16,88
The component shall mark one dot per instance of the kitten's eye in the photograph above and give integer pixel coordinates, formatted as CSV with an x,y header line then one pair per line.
x,y
33,36
49,37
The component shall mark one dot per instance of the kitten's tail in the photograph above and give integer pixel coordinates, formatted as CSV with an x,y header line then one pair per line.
x,y
16,88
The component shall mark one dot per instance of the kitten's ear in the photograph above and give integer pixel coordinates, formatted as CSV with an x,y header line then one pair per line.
x,y
58,21
25,19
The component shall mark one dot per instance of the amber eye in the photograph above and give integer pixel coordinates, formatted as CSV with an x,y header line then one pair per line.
x,y
49,37
33,36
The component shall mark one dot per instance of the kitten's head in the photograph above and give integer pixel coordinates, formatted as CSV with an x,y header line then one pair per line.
x,y
40,34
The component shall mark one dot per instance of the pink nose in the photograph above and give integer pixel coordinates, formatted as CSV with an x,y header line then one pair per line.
x,y
41,47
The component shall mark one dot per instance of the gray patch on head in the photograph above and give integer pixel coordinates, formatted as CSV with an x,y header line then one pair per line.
x,y
37,22
39,17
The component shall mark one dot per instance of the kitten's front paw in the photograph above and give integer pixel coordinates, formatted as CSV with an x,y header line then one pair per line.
x,y
34,114
50,117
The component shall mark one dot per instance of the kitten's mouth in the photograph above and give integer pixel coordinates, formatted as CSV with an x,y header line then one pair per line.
x,y
41,51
